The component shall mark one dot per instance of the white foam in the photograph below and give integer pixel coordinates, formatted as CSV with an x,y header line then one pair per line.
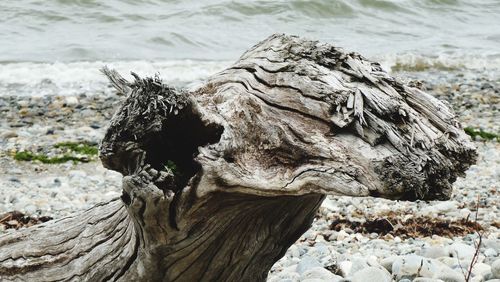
x,y
74,78
39,79
443,62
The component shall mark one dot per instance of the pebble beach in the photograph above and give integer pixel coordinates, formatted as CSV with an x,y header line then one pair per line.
x,y
351,239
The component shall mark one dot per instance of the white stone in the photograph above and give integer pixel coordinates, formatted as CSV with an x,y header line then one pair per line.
x,y
451,276
319,273
448,261
434,252
388,261
440,207
490,252
30,209
71,100
495,269
426,279
411,266
341,235
294,251
306,263
371,274
285,276
478,278
357,265
345,268
481,269
461,250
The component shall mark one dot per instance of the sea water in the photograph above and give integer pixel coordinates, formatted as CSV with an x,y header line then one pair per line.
x,y
57,46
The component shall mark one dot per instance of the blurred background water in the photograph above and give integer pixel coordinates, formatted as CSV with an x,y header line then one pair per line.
x,y
57,46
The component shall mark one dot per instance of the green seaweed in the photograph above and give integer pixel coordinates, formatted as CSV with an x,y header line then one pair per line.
x,y
474,133
170,165
84,148
29,156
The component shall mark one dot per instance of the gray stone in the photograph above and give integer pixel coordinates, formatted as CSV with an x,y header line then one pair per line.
x,y
372,274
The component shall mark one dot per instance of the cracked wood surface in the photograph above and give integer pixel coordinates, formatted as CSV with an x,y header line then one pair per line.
x,y
221,180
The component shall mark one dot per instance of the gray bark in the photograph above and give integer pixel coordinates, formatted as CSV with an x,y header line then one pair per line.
x,y
221,180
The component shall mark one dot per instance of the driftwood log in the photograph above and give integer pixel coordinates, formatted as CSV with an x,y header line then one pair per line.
x,y
220,181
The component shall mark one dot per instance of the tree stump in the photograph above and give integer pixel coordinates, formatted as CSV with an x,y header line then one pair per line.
x,y
220,181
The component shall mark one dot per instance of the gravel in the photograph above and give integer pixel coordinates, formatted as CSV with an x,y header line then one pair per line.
x,y
322,254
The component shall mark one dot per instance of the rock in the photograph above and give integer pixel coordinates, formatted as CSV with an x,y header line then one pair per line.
x,y
77,174
495,269
285,277
9,134
478,278
357,265
30,209
451,276
345,268
425,279
371,274
461,250
451,262
387,262
411,266
24,112
434,252
481,269
490,252
440,207
14,179
294,251
341,235
71,101
306,263
319,273
23,103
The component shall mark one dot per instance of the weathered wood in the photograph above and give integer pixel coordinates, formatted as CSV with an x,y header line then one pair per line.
x,y
221,180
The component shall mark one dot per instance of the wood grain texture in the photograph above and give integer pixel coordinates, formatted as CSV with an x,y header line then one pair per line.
x,y
219,181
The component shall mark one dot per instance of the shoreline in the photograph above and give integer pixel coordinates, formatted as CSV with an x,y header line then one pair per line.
x,y
38,124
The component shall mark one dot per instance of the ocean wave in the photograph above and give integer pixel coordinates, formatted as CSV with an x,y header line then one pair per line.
x,y
84,30
39,79
75,78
